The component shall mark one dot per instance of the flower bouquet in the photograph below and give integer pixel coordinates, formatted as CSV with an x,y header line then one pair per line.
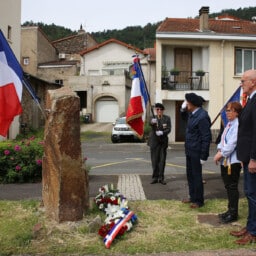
x,y
119,218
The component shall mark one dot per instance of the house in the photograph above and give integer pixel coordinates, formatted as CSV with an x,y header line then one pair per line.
x,y
33,115
10,26
52,61
48,66
104,83
223,47
98,73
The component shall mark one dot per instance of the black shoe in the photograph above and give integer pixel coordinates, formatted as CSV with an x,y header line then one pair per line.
x,y
223,215
228,219
162,182
153,182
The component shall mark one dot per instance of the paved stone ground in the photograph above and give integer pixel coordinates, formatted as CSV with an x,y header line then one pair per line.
x,y
130,186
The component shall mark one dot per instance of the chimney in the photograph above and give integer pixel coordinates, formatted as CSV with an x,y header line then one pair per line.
x,y
203,15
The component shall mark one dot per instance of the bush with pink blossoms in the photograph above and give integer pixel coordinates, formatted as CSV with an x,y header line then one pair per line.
x,y
21,161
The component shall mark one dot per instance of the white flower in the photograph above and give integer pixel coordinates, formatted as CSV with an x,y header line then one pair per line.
x,y
111,209
112,198
129,225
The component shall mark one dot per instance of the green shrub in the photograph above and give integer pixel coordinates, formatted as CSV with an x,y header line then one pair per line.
x,y
21,161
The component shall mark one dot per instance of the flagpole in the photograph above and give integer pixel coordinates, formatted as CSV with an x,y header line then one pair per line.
x,y
142,76
215,119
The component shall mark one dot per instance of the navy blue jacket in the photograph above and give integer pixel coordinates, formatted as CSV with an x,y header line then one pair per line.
x,y
246,139
198,134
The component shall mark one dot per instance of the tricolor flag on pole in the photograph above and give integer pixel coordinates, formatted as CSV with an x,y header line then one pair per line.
x,y
237,96
10,86
136,112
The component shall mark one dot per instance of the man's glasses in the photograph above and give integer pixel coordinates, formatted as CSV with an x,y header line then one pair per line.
x,y
158,109
243,81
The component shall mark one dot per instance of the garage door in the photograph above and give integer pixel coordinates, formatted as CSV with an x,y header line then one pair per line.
x,y
106,111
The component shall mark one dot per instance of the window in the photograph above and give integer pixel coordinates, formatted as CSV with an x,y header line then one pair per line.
x,y
245,59
26,61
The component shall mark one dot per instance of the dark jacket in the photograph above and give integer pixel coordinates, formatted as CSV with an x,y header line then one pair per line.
x,y
198,134
246,140
164,124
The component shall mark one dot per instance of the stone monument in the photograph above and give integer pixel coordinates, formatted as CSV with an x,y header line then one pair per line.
x,y
64,179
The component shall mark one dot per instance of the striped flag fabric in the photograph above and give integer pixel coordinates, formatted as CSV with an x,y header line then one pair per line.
x,y
116,228
237,96
136,111
10,86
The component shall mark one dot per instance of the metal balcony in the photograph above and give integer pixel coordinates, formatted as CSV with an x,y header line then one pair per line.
x,y
185,80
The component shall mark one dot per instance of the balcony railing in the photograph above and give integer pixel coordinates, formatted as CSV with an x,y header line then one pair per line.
x,y
185,80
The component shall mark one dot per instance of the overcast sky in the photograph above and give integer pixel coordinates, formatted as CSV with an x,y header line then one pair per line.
x,y
102,15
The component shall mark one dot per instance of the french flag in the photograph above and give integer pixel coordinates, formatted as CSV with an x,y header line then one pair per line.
x,y
114,231
136,112
11,75
238,96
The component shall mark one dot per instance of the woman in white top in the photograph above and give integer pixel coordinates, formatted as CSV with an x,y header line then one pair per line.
x,y
230,165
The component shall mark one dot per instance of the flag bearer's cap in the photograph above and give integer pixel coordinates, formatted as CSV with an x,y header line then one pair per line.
x,y
159,105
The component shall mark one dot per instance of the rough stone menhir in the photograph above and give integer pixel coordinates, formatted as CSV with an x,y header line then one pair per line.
x,y
64,179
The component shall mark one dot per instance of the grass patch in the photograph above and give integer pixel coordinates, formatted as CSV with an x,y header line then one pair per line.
x,y
163,226
96,136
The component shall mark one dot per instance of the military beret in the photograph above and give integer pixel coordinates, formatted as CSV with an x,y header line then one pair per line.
x,y
194,99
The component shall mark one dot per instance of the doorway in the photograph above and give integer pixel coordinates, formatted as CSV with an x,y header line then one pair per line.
x,y
183,62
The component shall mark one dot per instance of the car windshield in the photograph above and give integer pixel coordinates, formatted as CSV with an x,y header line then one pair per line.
x,y
121,121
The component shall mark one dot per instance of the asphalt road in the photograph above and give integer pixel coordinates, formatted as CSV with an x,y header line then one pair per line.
x,y
113,159
107,161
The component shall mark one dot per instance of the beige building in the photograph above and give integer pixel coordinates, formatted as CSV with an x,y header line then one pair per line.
x,y
99,73
10,26
48,65
223,48
104,83
35,49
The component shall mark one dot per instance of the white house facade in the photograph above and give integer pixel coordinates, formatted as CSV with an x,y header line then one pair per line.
x,y
223,48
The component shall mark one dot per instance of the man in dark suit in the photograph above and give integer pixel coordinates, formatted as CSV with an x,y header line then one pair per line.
x,y
246,153
197,144
158,142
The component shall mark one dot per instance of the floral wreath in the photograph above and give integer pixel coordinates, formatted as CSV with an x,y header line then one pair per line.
x,y
119,218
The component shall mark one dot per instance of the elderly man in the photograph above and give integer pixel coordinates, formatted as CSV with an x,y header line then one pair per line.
x,y
158,142
246,153
197,144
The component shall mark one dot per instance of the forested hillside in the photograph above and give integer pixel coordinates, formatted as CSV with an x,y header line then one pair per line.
x,y
141,37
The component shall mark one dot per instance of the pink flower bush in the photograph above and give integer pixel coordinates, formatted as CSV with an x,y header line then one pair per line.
x,y
7,152
17,148
21,161
39,162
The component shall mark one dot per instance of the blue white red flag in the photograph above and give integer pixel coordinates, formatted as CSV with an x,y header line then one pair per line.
x,y
136,112
116,228
237,96
10,86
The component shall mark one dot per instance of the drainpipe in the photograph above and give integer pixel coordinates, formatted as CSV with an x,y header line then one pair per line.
x,y
92,100
222,71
